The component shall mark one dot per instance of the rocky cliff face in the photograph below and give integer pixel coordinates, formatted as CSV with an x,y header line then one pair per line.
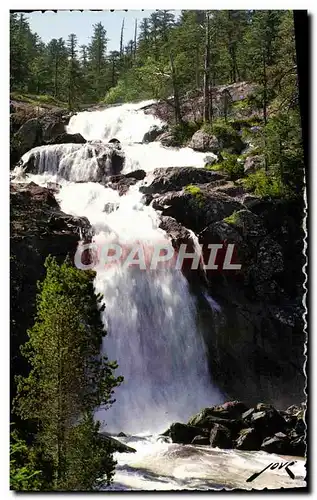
x,y
223,96
32,126
38,228
256,342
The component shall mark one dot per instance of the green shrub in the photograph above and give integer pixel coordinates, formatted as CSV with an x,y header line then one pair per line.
x,y
241,105
184,131
233,218
263,184
231,165
193,190
196,193
224,131
24,475
123,92
37,100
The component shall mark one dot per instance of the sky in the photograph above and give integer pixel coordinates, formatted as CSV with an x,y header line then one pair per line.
x,y
50,25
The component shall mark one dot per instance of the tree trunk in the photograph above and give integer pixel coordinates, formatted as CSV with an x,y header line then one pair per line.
x,y
55,77
265,108
177,109
135,38
207,114
121,39
113,72
197,68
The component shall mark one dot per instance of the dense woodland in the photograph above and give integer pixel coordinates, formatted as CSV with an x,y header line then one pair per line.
x,y
171,56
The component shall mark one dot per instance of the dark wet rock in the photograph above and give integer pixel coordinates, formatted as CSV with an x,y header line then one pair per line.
x,y
36,131
110,159
248,439
232,189
147,199
182,433
116,445
279,443
196,208
122,434
110,207
192,104
28,136
167,139
178,233
154,132
253,163
114,141
66,138
201,440
246,416
175,178
53,125
139,175
123,182
204,142
231,410
298,446
38,228
210,159
300,426
232,425
53,186
268,421
220,437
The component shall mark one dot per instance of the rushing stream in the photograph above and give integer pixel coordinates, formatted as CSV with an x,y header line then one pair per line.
x,y
150,316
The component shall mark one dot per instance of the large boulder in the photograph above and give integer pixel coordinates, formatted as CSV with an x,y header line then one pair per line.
x,y
204,142
154,132
116,445
182,433
248,439
53,125
278,443
38,228
110,159
253,163
268,421
29,135
201,440
220,437
230,410
167,139
175,178
66,138
36,131
123,182
177,233
196,207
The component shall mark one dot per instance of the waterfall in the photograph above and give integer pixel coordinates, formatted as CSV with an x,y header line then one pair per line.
x,y
150,315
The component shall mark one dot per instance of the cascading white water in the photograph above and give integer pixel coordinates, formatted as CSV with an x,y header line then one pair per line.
x,y
150,315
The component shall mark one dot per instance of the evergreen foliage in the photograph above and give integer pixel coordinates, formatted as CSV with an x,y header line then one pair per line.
x,y
69,379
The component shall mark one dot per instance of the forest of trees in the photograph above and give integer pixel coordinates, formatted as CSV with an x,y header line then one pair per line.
x,y
165,53
171,56
55,442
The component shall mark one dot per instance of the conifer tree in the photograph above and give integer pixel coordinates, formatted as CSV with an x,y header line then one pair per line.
x,y
69,378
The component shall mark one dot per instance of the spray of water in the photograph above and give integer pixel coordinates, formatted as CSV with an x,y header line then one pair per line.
x,y
150,315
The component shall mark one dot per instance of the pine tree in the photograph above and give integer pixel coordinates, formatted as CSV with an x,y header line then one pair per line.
x,y
97,60
57,56
69,379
